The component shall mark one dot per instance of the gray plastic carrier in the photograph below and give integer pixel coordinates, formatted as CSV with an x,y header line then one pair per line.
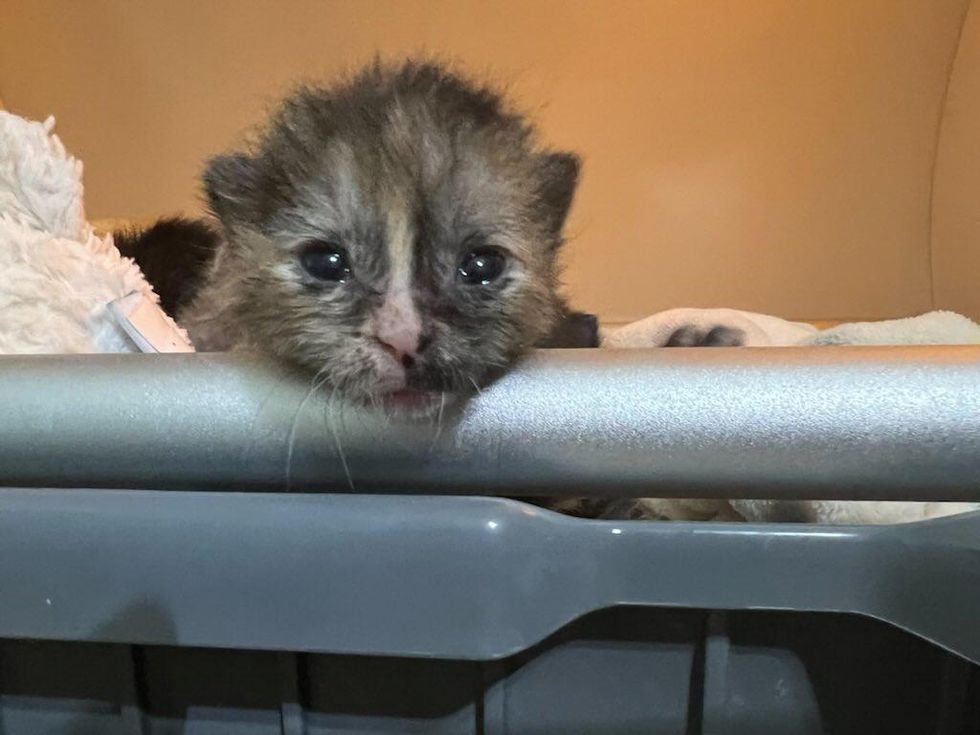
x,y
156,578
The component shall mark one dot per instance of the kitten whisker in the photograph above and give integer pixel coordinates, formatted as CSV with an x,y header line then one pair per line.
x,y
337,442
438,420
319,379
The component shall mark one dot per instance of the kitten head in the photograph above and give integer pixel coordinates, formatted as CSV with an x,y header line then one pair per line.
x,y
396,234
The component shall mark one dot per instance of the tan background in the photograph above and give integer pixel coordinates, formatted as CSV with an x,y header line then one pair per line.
x,y
956,196
775,155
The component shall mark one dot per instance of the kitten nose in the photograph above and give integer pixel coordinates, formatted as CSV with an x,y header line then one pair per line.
x,y
404,345
398,327
403,350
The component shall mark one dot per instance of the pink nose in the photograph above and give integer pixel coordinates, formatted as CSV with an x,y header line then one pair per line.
x,y
398,327
404,347
403,344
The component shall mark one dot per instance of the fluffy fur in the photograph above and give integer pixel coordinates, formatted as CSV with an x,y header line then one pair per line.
x,y
57,275
174,255
407,169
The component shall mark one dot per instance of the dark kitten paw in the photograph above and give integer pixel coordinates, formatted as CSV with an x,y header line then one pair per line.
x,y
692,336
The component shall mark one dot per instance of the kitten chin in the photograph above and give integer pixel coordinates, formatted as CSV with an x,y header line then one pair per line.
x,y
413,403
396,234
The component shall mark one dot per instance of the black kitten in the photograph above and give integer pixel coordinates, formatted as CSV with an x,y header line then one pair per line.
x,y
174,255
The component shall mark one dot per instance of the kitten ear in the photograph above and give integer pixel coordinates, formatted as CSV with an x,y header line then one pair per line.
x,y
557,177
229,185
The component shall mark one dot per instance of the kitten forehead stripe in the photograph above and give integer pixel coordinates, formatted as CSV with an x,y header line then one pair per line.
x,y
398,321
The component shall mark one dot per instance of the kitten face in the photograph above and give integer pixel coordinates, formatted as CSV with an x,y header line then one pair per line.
x,y
396,235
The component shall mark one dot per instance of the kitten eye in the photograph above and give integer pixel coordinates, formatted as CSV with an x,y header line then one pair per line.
x,y
482,266
325,260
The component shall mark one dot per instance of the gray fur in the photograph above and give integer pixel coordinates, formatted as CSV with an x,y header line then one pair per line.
x,y
407,163
720,336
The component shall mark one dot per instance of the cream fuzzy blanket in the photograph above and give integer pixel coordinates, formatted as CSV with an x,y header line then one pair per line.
x,y
58,276
763,330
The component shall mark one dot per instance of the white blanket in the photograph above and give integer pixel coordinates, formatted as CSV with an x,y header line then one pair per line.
x,y
763,330
756,330
934,328
58,276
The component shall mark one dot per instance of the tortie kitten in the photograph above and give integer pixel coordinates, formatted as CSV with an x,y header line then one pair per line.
x,y
395,234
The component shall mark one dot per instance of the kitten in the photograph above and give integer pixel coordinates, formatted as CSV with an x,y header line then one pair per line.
x,y
395,234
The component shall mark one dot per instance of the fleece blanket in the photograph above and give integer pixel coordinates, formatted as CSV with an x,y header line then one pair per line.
x,y
748,329
63,288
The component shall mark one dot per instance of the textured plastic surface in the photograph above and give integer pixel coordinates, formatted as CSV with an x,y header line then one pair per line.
x,y
847,422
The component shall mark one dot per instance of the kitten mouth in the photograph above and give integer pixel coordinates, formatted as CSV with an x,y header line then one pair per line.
x,y
413,400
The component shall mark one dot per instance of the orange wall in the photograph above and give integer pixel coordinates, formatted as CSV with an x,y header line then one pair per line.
x,y
765,154
956,199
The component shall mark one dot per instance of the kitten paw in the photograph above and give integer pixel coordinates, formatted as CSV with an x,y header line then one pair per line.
x,y
692,336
